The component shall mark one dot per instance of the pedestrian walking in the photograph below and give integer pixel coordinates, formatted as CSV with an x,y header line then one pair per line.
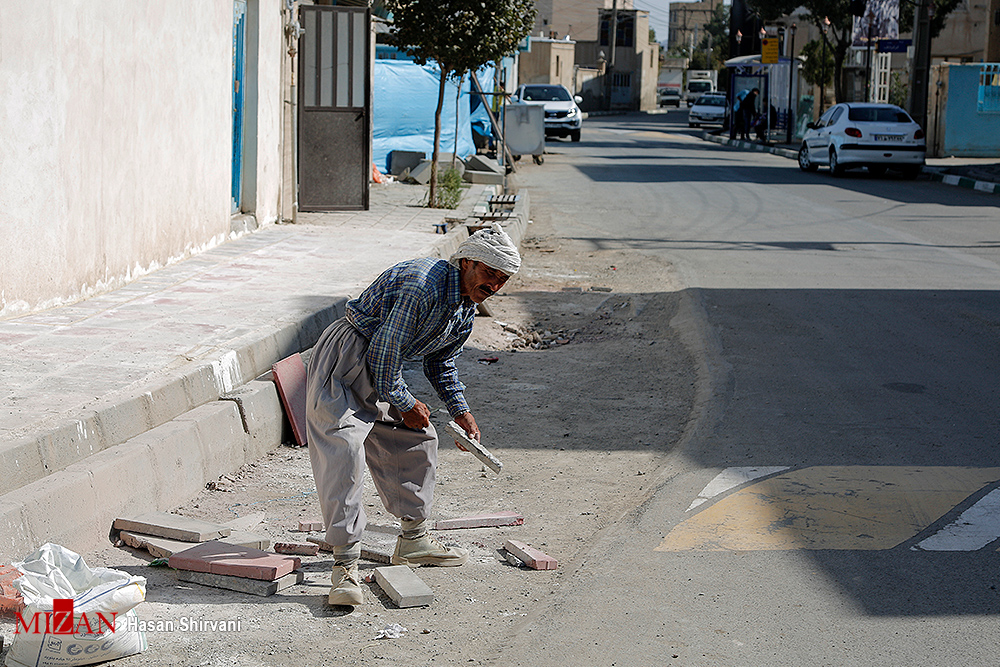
x,y
359,409
748,110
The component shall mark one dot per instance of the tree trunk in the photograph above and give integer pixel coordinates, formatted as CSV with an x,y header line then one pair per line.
x,y
839,54
432,193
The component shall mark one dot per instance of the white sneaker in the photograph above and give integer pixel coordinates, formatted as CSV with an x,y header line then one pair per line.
x,y
346,586
425,550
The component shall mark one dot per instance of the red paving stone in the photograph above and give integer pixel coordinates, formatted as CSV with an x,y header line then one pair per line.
x,y
290,376
235,561
10,598
481,521
530,556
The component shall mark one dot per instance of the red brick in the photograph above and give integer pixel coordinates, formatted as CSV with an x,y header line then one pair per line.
x,y
290,376
532,557
481,521
296,548
10,598
235,561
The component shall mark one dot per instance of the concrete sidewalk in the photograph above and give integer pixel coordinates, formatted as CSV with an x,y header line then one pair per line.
x,y
981,174
111,406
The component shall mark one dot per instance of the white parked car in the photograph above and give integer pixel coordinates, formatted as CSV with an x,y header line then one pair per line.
x,y
875,136
709,109
563,117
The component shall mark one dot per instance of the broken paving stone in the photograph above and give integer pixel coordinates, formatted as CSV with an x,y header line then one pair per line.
x,y
242,584
376,547
161,547
310,526
296,548
173,527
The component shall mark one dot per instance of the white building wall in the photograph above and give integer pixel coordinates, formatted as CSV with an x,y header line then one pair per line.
x,y
115,140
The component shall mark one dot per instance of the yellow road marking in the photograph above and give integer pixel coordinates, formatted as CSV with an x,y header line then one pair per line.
x,y
830,507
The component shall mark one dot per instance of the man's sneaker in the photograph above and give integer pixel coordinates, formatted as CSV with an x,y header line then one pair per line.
x,y
425,550
346,587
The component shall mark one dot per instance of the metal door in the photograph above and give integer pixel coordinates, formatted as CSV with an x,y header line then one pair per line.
x,y
239,75
334,108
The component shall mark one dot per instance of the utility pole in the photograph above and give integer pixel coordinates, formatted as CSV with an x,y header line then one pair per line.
x,y
613,44
921,66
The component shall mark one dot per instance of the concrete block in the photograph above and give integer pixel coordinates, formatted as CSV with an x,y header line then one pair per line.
x,y
220,435
403,587
421,173
245,522
16,540
178,461
481,521
242,584
220,558
71,441
20,463
290,376
124,481
60,508
487,177
260,411
400,161
243,538
311,525
296,548
530,556
483,163
173,527
377,548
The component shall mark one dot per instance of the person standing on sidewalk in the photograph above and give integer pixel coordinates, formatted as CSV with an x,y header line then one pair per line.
x,y
358,408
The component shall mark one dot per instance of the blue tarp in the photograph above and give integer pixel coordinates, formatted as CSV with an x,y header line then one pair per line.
x,y
404,98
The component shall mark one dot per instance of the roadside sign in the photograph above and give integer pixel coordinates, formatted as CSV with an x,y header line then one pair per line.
x,y
769,51
893,45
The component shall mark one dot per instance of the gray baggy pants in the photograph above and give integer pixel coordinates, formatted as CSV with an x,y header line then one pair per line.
x,y
347,425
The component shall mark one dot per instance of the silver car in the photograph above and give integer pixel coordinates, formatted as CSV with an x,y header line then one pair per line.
x,y
875,136
710,109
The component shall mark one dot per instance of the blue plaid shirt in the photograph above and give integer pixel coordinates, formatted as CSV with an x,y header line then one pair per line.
x,y
415,310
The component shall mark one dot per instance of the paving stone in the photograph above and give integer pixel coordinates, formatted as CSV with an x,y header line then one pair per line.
x,y
296,548
220,558
290,376
173,527
161,547
400,161
376,547
308,526
11,601
481,521
473,446
484,177
532,557
242,584
403,587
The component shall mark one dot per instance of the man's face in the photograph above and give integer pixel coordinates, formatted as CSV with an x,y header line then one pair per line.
x,y
480,281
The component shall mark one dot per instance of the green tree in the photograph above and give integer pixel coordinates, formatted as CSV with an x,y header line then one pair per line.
x,y
941,10
460,36
818,68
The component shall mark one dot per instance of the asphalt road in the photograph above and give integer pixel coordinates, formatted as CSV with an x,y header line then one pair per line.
x,y
833,501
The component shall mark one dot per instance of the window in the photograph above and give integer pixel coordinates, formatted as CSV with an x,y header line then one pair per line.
x,y
989,89
626,30
877,115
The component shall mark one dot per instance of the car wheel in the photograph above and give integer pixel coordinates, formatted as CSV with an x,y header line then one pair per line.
x,y
805,163
836,169
574,135
910,172
876,169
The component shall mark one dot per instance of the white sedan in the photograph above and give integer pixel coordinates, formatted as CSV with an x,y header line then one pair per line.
x,y
874,136
710,109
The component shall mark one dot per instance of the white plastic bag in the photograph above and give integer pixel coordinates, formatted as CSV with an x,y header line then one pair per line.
x,y
74,615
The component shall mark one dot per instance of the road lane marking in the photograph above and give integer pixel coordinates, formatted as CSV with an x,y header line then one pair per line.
x,y
974,529
729,479
830,507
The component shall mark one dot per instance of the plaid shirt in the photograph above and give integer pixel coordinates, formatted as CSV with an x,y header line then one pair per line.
x,y
415,310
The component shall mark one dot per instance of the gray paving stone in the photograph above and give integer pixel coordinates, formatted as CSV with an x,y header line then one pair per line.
x,y
403,587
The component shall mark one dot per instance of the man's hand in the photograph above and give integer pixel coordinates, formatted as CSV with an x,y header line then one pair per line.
x,y
468,424
418,417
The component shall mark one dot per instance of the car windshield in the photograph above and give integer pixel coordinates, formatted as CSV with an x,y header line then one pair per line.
x,y
699,86
545,94
877,115
711,101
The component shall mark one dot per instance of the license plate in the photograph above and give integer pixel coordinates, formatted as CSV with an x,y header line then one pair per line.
x,y
888,137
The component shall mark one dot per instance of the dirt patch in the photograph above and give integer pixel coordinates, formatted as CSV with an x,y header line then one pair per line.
x,y
580,386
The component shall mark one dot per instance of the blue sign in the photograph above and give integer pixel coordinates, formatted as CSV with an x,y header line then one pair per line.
x,y
893,45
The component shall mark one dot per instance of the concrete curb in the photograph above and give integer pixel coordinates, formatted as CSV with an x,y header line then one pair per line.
x,y
934,173
153,447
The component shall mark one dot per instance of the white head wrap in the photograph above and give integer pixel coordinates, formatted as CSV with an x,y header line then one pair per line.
x,y
492,247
